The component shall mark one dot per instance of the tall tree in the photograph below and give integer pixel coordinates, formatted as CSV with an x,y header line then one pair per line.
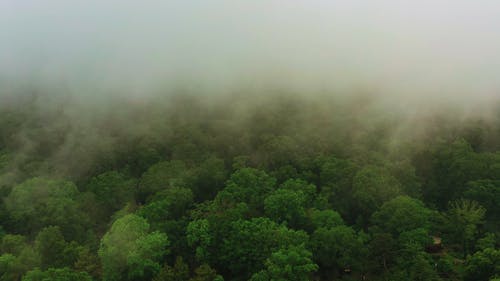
x,y
464,216
129,252
41,202
372,186
293,263
337,248
250,242
402,214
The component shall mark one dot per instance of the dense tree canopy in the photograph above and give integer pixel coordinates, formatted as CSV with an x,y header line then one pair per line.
x,y
271,190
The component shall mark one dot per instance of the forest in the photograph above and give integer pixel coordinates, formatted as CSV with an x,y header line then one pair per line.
x,y
281,187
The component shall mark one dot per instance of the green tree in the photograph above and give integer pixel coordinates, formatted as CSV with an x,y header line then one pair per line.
x,y
167,204
209,178
325,218
178,272
337,173
143,260
372,186
249,186
418,268
50,245
210,227
12,267
383,251
453,166
88,261
293,264
129,252
200,237
447,267
463,218
488,241
112,189
285,205
41,202
337,248
167,212
250,242
336,181
163,175
483,265
56,274
406,174
487,193
307,190
12,244
415,239
8,268
402,214
278,151
205,273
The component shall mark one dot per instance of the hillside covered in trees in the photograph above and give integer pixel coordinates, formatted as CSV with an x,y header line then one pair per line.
x,y
238,188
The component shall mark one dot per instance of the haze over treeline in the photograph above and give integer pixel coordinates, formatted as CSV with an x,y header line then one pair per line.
x,y
423,50
89,63
249,140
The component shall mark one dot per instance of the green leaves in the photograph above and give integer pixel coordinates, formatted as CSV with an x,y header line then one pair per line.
x,y
178,272
402,214
487,193
50,244
290,264
41,202
29,197
372,186
128,250
162,206
249,186
249,243
337,247
56,274
163,175
167,206
8,265
285,205
113,190
143,259
199,236
463,218
483,265
325,218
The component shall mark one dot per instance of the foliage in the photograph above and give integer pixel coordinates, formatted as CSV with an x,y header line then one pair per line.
x,y
112,189
464,216
402,214
250,242
56,274
372,186
240,190
129,252
337,247
285,205
41,202
294,264
483,265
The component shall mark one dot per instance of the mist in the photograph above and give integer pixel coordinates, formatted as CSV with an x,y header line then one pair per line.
x,y
404,52
89,75
249,140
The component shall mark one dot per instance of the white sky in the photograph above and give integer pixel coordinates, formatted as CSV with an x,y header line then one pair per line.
x,y
439,48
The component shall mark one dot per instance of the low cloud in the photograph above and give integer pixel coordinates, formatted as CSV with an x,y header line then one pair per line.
x,y
403,51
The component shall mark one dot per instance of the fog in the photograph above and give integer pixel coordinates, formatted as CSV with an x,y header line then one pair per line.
x,y
84,82
404,51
